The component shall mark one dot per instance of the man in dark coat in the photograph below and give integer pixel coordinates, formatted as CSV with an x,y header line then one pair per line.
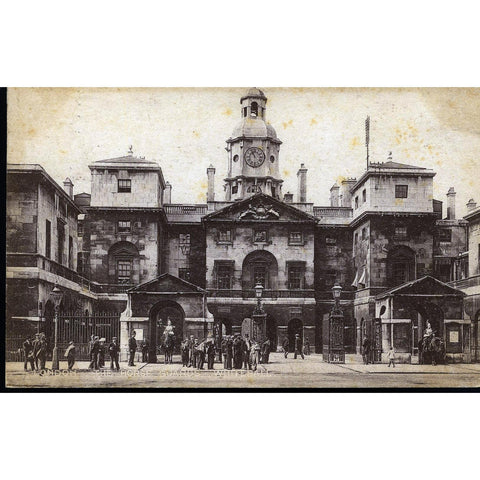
x,y
210,354
286,346
132,348
266,351
298,347
41,351
237,352
145,351
247,345
228,353
185,351
192,357
36,346
28,352
94,351
366,350
114,350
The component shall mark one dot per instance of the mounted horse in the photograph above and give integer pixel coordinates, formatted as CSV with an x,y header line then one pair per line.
x,y
168,345
431,349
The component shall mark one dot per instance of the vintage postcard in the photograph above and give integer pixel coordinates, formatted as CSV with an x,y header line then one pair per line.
x,y
249,238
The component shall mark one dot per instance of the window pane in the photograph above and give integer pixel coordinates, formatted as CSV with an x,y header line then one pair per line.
x,y
259,275
124,226
124,270
295,276
224,277
401,191
124,185
296,237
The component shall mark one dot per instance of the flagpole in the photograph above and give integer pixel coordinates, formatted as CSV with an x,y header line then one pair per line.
x,y
367,138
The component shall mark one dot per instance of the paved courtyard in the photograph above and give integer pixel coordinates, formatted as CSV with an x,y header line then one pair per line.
x,y
279,373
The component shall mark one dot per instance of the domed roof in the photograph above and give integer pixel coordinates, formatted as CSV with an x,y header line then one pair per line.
x,y
254,127
253,92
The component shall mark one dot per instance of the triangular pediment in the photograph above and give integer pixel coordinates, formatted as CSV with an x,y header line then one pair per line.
x,y
423,286
260,208
166,283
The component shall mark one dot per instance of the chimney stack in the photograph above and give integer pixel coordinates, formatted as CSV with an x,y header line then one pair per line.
x,y
302,184
288,197
471,205
334,191
68,187
211,183
167,194
345,194
451,204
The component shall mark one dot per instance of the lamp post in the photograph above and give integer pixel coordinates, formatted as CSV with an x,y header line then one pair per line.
x,y
334,349
259,316
57,296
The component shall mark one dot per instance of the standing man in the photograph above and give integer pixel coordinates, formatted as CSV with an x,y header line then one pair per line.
x,y
298,347
28,352
366,350
285,346
70,354
191,345
114,350
94,351
42,351
210,354
237,352
145,351
266,351
306,347
247,345
36,346
132,348
229,353
200,350
184,350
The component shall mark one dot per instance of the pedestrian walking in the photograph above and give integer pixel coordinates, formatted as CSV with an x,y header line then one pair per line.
x,y
255,352
132,348
391,357
70,355
298,347
114,350
28,352
191,345
285,346
94,349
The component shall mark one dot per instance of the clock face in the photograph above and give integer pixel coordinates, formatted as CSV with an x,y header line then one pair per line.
x,y
254,157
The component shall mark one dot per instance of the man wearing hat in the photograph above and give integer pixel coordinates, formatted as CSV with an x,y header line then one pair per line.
x,y
132,348
70,354
28,352
94,349
114,350
298,347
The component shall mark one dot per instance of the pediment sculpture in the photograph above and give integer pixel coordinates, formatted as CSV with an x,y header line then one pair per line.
x,y
259,212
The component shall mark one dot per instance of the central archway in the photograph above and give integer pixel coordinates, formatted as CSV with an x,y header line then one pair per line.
x,y
160,313
260,267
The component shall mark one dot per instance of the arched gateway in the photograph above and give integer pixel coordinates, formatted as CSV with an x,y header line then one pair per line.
x,y
160,313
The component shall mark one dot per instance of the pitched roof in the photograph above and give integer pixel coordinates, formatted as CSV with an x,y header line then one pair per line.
x,y
391,164
259,198
126,159
424,285
167,283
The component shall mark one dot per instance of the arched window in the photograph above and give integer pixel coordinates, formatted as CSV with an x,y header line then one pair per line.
x,y
254,109
123,264
260,267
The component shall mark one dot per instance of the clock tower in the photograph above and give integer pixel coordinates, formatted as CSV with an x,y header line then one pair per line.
x,y
253,152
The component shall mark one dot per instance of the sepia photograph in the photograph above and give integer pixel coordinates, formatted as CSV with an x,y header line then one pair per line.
x,y
242,238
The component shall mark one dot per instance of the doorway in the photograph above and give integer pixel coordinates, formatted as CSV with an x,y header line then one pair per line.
x,y
271,332
295,326
160,314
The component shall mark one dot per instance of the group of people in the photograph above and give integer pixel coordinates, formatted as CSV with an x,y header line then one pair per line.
x,y
194,352
97,350
35,352
300,348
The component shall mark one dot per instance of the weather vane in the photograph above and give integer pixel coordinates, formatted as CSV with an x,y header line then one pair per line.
x,y
130,150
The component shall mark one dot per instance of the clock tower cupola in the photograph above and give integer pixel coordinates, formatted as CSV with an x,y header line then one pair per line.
x,y
253,152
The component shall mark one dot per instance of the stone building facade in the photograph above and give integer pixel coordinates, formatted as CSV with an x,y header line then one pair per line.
x,y
383,238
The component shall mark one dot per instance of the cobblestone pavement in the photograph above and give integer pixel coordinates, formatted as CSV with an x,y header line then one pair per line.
x,y
279,373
